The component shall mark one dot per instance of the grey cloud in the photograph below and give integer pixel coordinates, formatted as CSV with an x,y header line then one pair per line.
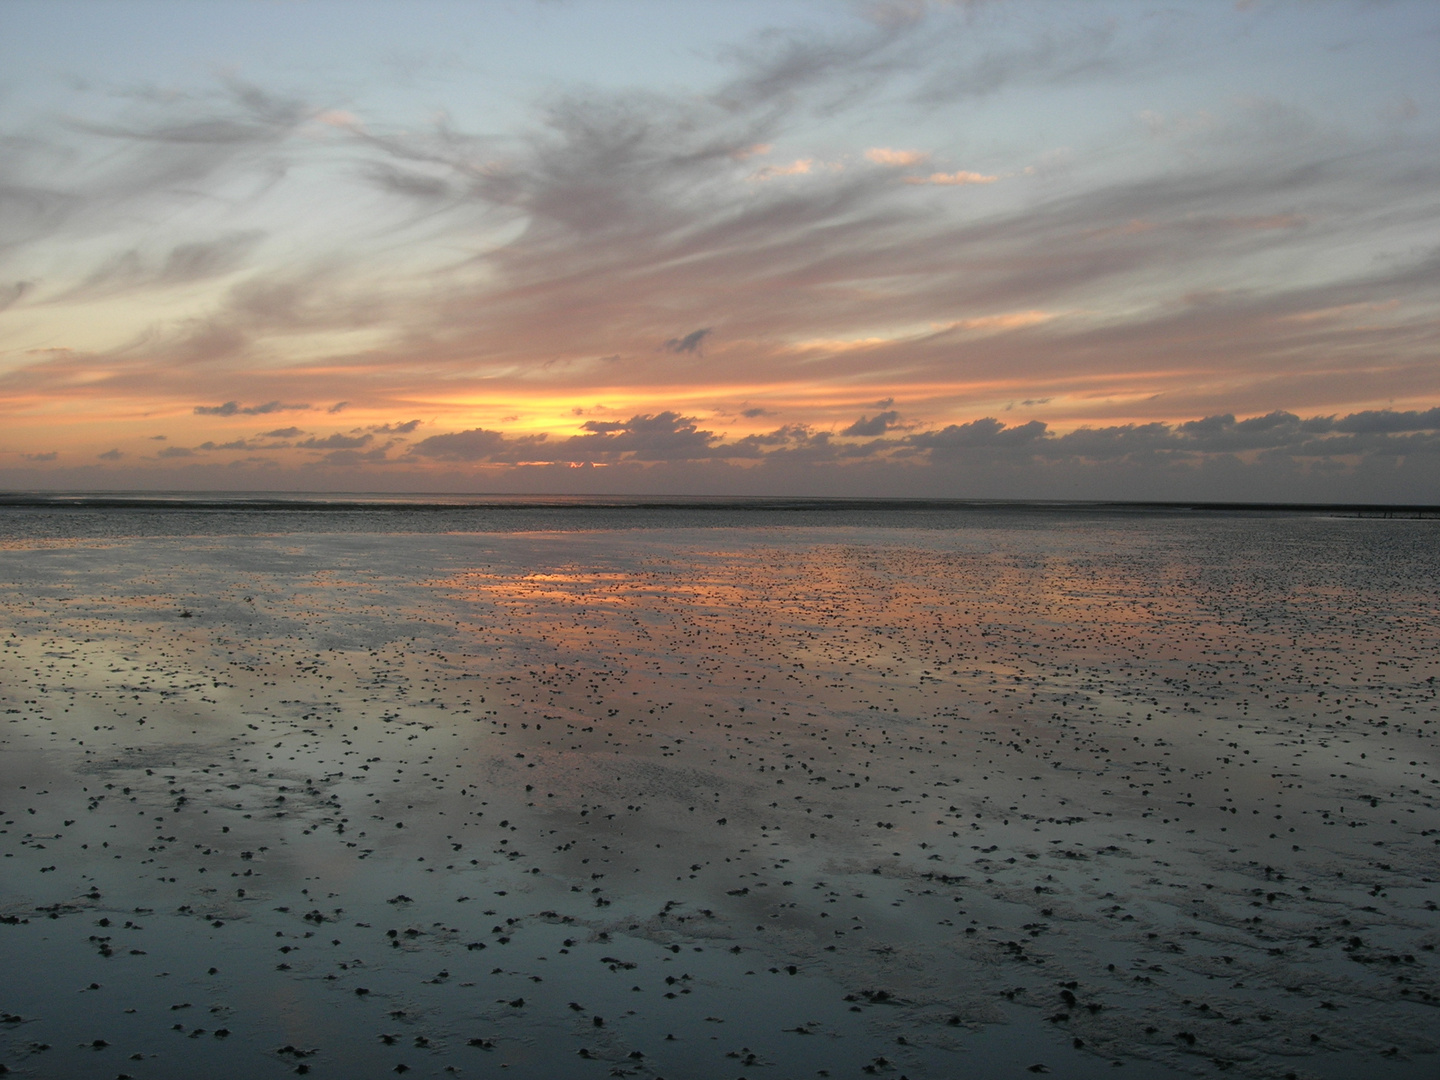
x,y
11,294
184,264
1376,433
347,457
1052,55
336,442
283,433
51,455
752,413
163,148
777,69
986,433
690,343
478,444
876,425
234,408
397,429
205,259
665,436
1387,421
256,116
175,452
409,183
242,444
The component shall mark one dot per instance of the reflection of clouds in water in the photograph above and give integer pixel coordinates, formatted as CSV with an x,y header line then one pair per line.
x,y
942,775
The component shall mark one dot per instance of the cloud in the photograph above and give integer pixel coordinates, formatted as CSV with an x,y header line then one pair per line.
x,y
757,150
1385,420
986,434
690,343
883,155
339,406
183,264
11,294
234,408
665,436
397,429
872,426
174,452
51,455
754,412
476,444
671,437
283,433
1061,53
955,179
798,167
351,458
336,441
409,183
241,444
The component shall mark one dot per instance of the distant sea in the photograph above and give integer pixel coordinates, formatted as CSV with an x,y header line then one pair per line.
x,y
198,513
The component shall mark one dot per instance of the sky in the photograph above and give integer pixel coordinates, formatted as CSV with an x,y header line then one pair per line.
x,y
995,249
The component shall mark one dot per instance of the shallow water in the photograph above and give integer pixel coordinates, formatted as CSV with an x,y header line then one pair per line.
x,y
681,794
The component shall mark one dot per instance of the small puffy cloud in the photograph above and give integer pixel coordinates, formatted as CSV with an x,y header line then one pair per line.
x,y
690,343
282,433
956,179
883,155
753,413
171,452
339,406
870,427
51,455
234,408
397,429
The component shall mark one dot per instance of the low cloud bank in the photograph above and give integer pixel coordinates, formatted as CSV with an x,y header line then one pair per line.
x,y
669,437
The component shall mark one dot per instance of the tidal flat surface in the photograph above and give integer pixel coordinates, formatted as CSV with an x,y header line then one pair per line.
x,y
695,796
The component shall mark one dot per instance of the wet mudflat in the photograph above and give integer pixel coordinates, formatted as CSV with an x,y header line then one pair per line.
x,y
1148,797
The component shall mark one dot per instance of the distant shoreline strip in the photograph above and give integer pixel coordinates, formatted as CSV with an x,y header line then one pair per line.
x,y
437,503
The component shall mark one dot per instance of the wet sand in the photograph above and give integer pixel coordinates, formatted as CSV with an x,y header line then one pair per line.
x,y
1148,797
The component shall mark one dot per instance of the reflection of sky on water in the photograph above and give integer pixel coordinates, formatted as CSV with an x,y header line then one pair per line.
x,y
962,768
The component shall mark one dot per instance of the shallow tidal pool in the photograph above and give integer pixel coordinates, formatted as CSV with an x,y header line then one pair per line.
x,y
989,795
